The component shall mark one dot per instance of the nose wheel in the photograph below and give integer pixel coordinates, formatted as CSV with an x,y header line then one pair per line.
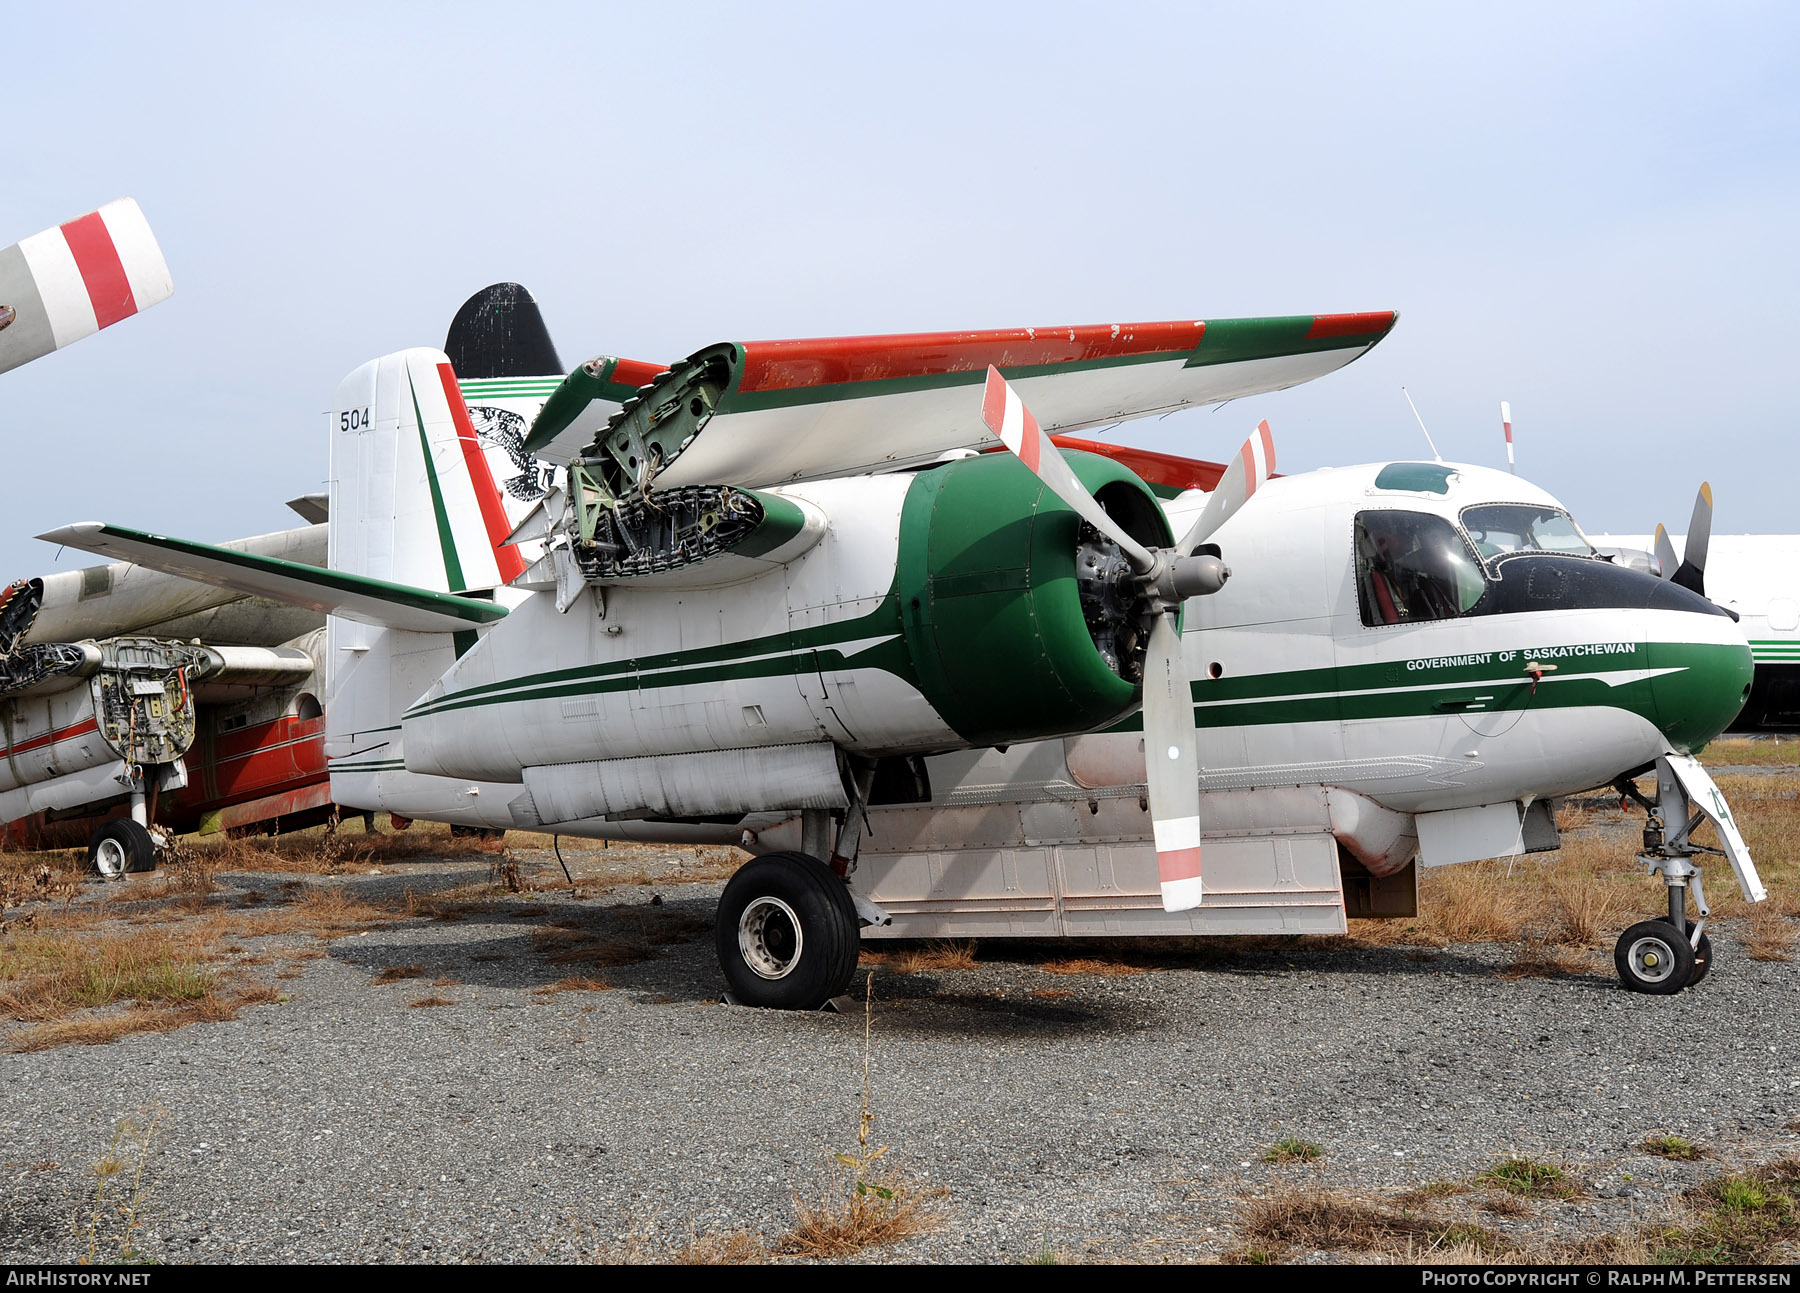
x,y
1661,957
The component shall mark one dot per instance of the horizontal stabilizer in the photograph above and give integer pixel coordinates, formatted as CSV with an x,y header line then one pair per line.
x,y
354,597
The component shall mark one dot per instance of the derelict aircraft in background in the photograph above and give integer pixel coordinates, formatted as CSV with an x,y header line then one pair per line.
x,y
130,699
776,595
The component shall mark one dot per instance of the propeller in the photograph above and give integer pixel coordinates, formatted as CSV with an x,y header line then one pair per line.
x,y
1665,553
1506,422
1166,577
1691,574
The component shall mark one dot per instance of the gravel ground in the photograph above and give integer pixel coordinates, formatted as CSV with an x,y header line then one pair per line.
x,y
1123,1119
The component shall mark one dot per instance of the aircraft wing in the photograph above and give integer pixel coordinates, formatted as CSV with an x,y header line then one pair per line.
x,y
66,283
372,601
768,412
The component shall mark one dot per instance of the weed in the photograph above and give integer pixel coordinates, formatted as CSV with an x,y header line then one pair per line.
x,y
427,1002
1526,1176
1291,1149
1670,1146
876,1208
1769,938
721,1248
127,1156
1505,1205
1741,1218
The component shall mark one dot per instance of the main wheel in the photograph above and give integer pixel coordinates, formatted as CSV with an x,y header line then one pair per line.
x,y
1651,957
787,933
119,846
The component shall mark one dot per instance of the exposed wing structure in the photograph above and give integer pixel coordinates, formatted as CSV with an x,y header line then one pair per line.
x,y
68,282
768,412
355,597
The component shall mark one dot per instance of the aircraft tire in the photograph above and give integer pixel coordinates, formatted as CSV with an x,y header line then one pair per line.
x,y
787,932
119,847
1652,958
1703,955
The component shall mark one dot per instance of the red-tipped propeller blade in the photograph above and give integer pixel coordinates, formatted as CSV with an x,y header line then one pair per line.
x,y
1254,464
1007,417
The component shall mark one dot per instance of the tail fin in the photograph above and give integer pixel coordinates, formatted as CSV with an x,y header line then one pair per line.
x,y
415,498
70,281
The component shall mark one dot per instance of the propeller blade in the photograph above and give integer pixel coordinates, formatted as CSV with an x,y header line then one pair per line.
x,y
1506,421
1665,552
1692,572
1007,417
1172,766
1255,463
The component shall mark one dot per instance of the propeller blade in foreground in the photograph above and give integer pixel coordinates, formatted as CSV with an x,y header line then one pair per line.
x,y
1506,421
1692,572
1665,552
1255,463
1007,417
1172,766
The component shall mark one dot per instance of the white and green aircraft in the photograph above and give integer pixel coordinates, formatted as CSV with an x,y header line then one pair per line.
x,y
777,595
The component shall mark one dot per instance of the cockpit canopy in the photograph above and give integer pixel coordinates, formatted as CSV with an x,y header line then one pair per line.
x,y
1416,567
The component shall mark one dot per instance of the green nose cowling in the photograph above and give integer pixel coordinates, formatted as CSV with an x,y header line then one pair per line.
x,y
1707,686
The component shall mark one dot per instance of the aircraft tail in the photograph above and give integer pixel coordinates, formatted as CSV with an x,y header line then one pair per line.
x,y
416,493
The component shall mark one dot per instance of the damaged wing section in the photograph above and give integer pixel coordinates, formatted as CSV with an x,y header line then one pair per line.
x,y
355,597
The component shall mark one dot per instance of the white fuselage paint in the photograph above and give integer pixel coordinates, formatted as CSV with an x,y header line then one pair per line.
x,y
1291,605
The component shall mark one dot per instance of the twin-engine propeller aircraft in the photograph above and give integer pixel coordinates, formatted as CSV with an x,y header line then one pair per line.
x,y
778,595
76,278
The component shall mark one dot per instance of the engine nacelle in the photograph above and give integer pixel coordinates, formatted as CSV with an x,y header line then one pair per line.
x,y
1010,616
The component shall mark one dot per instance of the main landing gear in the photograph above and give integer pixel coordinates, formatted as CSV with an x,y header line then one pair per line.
x,y
1661,957
124,845
788,933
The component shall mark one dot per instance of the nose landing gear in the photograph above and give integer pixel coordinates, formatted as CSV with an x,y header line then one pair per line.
x,y
1662,956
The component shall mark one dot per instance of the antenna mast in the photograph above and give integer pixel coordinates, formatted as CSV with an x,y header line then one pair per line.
x,y
1436,456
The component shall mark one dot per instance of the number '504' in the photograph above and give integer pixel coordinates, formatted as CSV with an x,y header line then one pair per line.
x,y
353,419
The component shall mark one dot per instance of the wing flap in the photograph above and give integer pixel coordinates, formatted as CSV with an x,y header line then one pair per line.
x,y
331,592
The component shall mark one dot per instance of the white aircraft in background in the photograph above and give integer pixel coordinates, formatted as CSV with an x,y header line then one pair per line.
x,y
776,595
76,278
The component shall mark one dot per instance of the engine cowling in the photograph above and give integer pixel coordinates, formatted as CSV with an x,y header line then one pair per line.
x,y
1007,603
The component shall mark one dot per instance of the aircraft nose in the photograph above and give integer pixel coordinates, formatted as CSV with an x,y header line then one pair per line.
x,y
1700,683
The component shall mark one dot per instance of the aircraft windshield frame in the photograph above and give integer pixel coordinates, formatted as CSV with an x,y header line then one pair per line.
x,y
1519,529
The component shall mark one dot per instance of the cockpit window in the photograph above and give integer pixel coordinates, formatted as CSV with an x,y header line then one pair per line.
x,y
1412,567
1501,530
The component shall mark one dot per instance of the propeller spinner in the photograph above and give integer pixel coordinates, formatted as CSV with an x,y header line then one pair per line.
x,y
1164,579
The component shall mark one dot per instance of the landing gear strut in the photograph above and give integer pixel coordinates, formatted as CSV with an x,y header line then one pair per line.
x,y
1662,956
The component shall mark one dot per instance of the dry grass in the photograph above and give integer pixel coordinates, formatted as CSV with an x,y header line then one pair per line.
x,y
395,973
1762,752
721,1248
883,1211
1108,967
425,1003
1325,1221
1770,937
575,983
925,958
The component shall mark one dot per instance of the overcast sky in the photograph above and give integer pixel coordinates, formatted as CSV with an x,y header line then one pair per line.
x,y
1590,211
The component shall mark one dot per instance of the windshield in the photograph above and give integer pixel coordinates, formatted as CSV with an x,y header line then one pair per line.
x,y
1412,566
1503,529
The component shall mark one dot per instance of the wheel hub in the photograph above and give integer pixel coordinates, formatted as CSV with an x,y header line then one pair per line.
x,y
769,937
110,859
1651,959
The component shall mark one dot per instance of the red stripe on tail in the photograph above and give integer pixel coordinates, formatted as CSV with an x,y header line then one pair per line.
x,y
102,273
487,494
